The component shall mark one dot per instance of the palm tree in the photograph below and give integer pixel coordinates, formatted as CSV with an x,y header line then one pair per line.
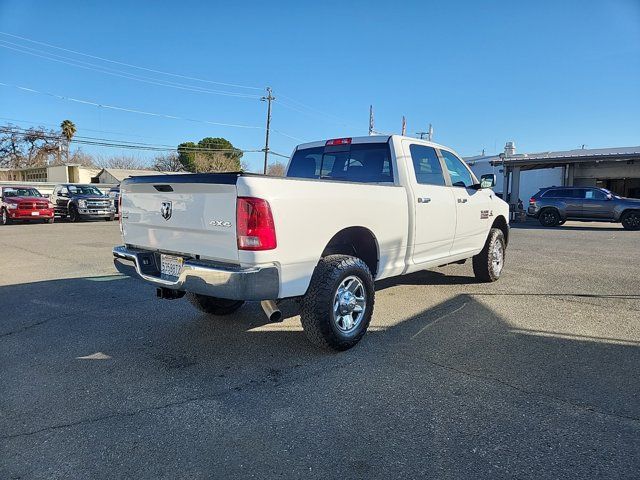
x,y
68,131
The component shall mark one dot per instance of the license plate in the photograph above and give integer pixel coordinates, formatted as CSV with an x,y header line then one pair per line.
x,y
35,214
170,266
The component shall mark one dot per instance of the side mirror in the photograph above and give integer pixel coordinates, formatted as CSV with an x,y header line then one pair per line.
x,y
609,196
488,180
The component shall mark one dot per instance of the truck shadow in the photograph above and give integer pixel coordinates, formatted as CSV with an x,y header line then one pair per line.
x,y
465,377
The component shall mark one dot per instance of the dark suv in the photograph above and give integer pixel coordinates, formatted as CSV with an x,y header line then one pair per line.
x,y
555,205
80,202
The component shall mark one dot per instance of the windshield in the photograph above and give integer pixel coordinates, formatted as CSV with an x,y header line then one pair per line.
x,y
21,192
366,162
84,190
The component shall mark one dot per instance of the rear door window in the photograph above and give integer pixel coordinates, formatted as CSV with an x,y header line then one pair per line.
x,y
364,162
592,194
426,165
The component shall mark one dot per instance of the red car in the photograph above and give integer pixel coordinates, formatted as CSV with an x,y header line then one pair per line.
x,y
24,203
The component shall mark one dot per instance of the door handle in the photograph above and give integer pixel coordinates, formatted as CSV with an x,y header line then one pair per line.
x,y
424,199
462,200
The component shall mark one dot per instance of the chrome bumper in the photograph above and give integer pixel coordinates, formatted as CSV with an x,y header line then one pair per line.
x,y
196,276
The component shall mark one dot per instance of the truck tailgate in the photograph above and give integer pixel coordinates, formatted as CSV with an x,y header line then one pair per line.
x,y
184,214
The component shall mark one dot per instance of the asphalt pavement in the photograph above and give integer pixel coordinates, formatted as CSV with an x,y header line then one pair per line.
x,y
535,376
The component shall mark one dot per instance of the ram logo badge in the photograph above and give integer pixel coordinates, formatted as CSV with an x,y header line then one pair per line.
x,y
166,210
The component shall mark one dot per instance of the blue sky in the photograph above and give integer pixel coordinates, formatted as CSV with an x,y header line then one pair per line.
x,y
547,75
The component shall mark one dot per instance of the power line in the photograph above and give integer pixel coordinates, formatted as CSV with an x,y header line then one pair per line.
x,y
129,64
143,112
81,140
312,109
83,129
119,73
124,109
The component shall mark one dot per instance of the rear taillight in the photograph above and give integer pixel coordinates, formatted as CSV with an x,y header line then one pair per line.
x,y
254,224
532,201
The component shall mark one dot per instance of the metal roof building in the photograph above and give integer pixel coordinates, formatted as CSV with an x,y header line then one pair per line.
x,y
616,168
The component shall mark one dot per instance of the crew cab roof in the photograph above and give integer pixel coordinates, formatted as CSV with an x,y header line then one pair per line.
x,y
372,139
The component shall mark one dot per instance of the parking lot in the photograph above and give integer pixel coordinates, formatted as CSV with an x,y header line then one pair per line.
x,y
535,376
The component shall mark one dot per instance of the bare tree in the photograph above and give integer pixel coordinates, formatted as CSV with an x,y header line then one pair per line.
x,y
82,158
168,162
125,162
276,169
33,147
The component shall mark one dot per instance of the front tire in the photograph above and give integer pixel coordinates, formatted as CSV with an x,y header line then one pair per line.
x,y
488,264
213,305
4,217
74,216
631,220
337,309
49,220
549,218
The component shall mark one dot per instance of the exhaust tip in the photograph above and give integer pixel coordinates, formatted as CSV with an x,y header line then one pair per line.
x,y
271,310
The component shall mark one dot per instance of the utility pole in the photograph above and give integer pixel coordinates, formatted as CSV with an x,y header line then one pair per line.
x,y
404,126
267,99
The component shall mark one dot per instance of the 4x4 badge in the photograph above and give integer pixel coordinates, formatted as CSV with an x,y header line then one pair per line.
x,y
166,210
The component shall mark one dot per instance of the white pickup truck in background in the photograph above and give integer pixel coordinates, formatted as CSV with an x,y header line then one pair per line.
x,y
349,211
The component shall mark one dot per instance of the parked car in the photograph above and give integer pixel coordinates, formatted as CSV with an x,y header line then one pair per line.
x,y
348,212
24,203
82,202
114,194
555,205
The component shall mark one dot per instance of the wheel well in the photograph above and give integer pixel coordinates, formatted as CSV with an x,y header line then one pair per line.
x,y
357,241
501,223
624,212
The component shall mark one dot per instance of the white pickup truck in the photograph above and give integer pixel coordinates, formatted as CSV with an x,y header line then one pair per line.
x,y
349,211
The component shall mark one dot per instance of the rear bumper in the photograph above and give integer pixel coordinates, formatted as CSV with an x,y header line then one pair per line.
x,y
196,276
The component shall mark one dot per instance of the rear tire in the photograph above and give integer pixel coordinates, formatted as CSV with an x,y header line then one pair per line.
x,y
214,305
49,220
631,220
488,264
549,218
4,217
109,219
337,309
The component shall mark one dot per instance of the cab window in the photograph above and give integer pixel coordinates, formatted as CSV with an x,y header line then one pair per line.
x,y
458,171
365,162
426,165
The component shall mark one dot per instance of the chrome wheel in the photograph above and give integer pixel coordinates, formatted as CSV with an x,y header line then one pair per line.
x,y
349,304
497,257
